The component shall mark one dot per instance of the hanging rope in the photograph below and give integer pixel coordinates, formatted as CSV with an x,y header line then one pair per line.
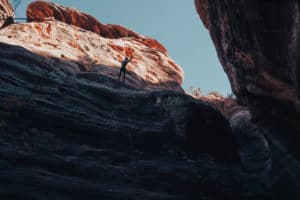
x,y
50,69
125,100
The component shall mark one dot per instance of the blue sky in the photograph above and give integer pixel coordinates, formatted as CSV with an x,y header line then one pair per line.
x,y
174,23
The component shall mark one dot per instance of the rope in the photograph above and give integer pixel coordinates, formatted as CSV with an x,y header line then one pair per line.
x,y
135,173
28,99
128,117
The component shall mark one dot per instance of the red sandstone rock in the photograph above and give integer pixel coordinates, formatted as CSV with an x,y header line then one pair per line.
x,y
6,10
41,11
202,9
150,68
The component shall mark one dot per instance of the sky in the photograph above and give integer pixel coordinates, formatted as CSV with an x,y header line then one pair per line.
x,y
174,23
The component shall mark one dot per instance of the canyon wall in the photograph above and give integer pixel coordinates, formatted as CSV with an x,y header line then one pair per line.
x,y
258,43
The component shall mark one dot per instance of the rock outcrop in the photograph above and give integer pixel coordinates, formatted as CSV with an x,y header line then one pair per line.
x,y
257,44
202,9
254,150
150,68
6,12
41,11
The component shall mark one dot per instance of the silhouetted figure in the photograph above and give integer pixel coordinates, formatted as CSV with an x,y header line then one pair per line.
x,y
123,68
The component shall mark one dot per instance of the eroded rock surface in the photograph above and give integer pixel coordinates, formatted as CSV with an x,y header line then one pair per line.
x,y
70,130
41,11
6,12
150,68
257,44
84,134
254,150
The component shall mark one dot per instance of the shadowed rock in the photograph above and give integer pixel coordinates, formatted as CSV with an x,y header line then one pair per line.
x,y
254,150
257,44
83,133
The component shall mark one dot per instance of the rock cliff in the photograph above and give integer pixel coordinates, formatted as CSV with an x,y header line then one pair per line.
x,y
82,134
149,69
151,62
258,45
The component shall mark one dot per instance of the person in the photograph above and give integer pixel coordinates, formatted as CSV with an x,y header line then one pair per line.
x,y
123,68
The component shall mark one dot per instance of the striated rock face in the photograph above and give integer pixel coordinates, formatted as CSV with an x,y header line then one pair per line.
x,y
6,11
149,69
82,134
265,152
70,130
41,11
255,153
258,46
